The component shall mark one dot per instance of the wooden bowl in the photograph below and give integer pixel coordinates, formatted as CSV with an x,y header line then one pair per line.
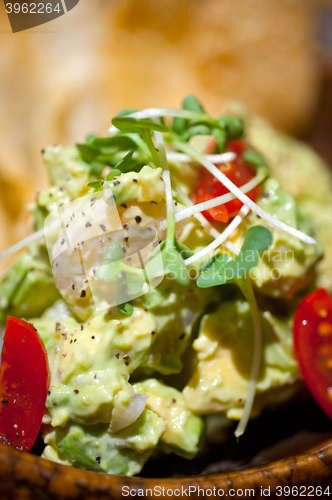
x,y
28,477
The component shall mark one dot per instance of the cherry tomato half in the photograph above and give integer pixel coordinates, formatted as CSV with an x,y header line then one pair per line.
x,y
24,382
238,171
313,346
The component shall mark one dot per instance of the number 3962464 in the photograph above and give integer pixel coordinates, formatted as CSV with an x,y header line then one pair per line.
x,y
32,8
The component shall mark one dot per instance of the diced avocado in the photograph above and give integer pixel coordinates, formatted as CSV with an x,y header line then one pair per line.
x,y
306,177
91,362
183,427
288,265
225,353
176,309
144,186
92,447
28,289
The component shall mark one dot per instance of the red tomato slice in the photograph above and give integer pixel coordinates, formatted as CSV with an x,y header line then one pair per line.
x,y
313,346
24,382
238,171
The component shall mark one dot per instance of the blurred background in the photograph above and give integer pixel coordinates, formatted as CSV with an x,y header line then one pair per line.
x,y
65,79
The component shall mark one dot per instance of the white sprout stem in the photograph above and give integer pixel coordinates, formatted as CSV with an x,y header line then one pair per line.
x,y
23,243
250,296
241,196
220,200
205,223
168,187
221,238
220,158
159,112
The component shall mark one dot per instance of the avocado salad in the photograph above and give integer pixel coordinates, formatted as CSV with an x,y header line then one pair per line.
x,y
165,296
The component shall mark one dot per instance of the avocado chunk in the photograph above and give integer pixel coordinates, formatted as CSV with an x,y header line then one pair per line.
x,y
183,427
289,264
28,288
306,177
224,350
93,448
92,362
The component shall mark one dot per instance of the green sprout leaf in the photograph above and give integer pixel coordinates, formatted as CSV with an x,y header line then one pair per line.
x,y
196,130
88,152
113,173
97,167
126,308
128,164
191,103
135,125
95,184
212,275
120,142
254,158
223,270
233,126
220,136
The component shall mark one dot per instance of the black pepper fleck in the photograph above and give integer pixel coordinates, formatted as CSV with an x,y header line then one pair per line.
x,y
82,327
126,356
134,179
93,337
62,241
153,332
125,239
117,355
73,286
182,336
103,227
5,402
173,400
49,393
76,391
124,205
138,219
98,460
88,224
83,293
125,226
